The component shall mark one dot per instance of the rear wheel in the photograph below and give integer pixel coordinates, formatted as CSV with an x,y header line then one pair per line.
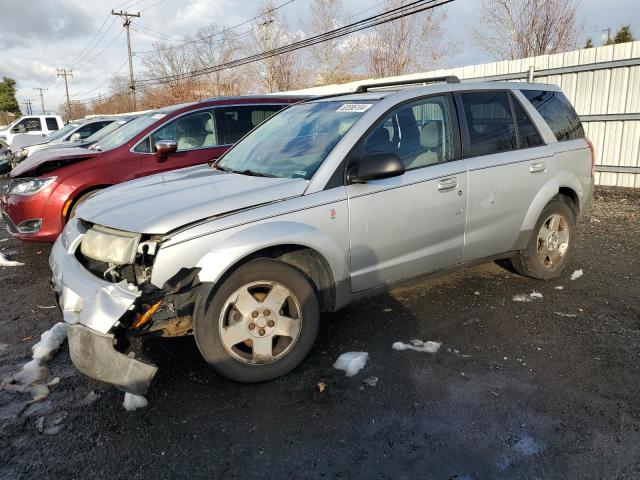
x,y
261,322
551,244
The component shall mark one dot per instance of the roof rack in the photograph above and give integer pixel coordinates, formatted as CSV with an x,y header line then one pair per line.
x,y
447,79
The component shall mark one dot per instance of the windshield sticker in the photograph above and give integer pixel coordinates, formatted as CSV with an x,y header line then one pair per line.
x,y
158,115
355,107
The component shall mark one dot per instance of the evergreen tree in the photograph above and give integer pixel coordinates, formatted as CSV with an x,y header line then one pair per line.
x,y
624,35
8,101
588,43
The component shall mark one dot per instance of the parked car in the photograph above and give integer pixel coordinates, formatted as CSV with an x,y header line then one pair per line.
x,y
44,192
40,125
72,133
5,166
330,200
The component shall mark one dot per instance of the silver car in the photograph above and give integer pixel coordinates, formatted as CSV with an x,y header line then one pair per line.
x,y
331,199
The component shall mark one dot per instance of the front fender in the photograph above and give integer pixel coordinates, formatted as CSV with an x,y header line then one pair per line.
x,y
216,262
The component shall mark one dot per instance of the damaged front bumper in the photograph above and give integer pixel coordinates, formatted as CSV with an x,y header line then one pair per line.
x,y
93,354
93,307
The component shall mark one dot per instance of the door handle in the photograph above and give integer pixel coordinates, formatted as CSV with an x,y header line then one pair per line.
x,y
537,167
447,184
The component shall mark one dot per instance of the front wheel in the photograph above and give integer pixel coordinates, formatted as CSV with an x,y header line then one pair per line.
x,y
551,244
260,323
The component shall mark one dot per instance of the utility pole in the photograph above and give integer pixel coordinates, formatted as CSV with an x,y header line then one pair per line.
x,y
127,22
266,25
608,30
27,103
62,72
41,90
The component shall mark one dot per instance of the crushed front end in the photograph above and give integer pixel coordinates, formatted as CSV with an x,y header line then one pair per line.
x,y
101,278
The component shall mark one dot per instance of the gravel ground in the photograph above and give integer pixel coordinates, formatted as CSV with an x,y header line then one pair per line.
x,y
546,389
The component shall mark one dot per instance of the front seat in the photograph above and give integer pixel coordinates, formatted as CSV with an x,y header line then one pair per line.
x,y
190,133
210,139
430,142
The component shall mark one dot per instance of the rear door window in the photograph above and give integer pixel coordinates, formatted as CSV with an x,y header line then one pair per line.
x,y
528,135
88,130
489,123
236,121
557,111
52,124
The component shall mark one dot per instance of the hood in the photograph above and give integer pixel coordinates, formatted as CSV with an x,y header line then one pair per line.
x,y
39,160
164,202
22,140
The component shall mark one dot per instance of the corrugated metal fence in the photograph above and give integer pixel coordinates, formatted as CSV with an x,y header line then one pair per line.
x,y
603,84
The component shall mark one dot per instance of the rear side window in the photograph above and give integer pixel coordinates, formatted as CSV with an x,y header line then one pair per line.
x,y
52,124
528,135
489,123
235,122
557,112
90,129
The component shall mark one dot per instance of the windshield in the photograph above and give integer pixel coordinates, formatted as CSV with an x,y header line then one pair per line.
x,y
58,134
104,131
128,131
295,142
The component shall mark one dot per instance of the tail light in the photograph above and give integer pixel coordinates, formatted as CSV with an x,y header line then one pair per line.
x,y
593,157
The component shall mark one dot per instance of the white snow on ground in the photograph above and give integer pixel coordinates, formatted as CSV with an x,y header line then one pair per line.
x,y
351,362
418,346
31,378
8,263
521,297
559,287
133,402
576,275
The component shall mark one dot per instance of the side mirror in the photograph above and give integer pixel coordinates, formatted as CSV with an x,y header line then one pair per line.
x,y
164,148
76,137
16,129
375,167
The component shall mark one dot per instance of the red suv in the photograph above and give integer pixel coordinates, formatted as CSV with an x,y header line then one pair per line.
x,y
43,191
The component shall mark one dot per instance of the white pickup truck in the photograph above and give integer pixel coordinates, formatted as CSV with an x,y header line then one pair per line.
x,y
33,125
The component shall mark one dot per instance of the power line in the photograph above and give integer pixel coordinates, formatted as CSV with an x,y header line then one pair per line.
x,y
224,30
105,81
409,9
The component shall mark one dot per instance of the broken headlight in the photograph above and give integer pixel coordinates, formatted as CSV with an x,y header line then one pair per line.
x,y
109,245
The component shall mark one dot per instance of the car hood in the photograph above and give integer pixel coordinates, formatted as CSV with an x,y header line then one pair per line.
x,y
22,140
164,202
62,155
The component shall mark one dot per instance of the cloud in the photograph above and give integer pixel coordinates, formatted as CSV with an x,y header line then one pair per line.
x,y
31,22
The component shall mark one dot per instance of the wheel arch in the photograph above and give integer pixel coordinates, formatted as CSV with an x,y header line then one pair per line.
x,y
77,195
302,246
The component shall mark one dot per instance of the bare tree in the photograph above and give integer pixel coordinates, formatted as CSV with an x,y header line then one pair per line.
x,y
408,43
510,29
333,61
281,72
174,62
218,46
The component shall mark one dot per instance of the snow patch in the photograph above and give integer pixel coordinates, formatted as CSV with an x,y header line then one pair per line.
x,y
522,297
8,263
418,346
133,402
31,378
577,274
559,287
351,362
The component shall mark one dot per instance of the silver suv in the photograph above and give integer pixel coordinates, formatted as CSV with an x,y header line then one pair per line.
x,y
331,199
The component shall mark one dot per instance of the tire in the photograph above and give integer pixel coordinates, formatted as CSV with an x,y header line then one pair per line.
x,y
79,201
237,327
546,255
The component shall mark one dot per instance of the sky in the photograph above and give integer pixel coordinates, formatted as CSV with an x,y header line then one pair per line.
x,y
39,36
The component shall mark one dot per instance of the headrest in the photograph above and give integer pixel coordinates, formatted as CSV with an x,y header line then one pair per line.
x,y
430,135
208,126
